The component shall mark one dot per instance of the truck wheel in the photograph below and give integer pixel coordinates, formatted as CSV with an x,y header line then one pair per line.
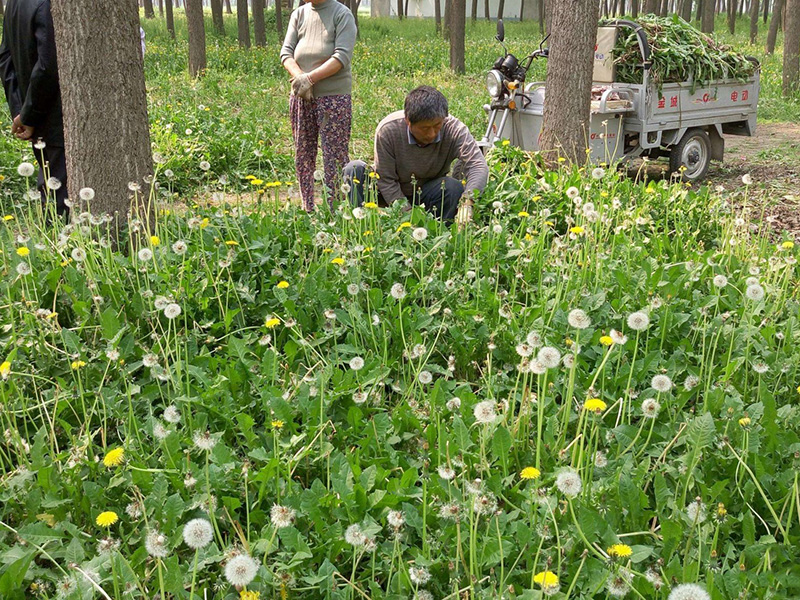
x,y
690,157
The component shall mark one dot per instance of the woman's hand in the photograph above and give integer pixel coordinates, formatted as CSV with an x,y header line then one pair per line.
x,y
302,86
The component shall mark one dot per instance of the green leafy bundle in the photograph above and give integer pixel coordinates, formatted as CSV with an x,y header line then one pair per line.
x,y
679,53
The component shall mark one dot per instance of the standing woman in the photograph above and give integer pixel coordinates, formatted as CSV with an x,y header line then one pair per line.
x,y
317,52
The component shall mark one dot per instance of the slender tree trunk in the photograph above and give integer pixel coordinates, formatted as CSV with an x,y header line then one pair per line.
x,y
2,10
754,21
774,25
707,24
160,7
354,4
195,25
170,19
650,6
228,7
149,13
437,15
400,9
405,8
521,11
448,15
635,8
766,11
662,11
501,6
279,18
542,7
216,16
732,16
474,16
699,11
565,128
458,19
486,14
259,27
791,48
741,8
243,21
104,101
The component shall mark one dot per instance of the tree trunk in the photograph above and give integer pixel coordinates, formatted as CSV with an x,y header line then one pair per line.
x,y
501,6
774,25
650,7
707,24
228,7
565,127
197,37
160,7
149,13
2,10
437,15
699,12
766,11
635,8
541,17
354,4
104,101
216,16
259,27
732,16
486,14
753,21
170,19
279,18
448,12
400,9
474,10
662,11
458,19
243,21
791,48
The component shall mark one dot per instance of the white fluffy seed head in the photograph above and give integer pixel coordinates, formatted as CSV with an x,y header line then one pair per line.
x,y
661,384
549,357
172,310
651,408
569,482
578,319
354,536
25,169
688,591
156,544
420,234
356,363
484,412
241,570
198,533
281,516
638,321
754,292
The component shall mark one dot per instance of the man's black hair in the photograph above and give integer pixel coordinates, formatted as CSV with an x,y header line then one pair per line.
x,y
425,103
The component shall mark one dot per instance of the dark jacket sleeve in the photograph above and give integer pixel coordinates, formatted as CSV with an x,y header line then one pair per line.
x,y
9,76
43,91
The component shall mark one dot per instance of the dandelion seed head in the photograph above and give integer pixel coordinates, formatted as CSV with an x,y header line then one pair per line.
x,y
198,533
549,357
650,408
241,570
569,482
578,319
484,412
661,384
638,321
156,544
688,591
354,536
281,516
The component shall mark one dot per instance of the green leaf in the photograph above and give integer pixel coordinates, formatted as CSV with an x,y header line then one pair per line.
x,y
12,577
501,443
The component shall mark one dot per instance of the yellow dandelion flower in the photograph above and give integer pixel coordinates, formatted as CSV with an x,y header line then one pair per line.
x,y
530,473
606,340
23,251
744,421
77,364
594,405
619,551
404,225
249,595
249,177
256,182
368,232
155,240
577,230
374,175
204,223
8,218
523,214
283,285
114,458
107,518
272,323
546,579
277,424
370,205
721,510
338,260
5,369
787,245
231,243
604,194
368,249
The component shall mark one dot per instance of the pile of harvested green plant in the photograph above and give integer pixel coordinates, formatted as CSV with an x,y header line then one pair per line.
x,y
679,52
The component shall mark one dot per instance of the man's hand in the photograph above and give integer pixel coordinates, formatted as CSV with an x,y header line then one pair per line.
x,y
302,86
464,214
20,131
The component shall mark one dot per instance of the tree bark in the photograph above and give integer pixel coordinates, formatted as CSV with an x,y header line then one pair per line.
x,y
565,127
542,16
754,20
400,9
216,16
635,8
2,10
486,12
650,7
106,131
662,11
228,7
437,15
791,48
279,18
458,19
354,4
149,13
699,13
474,16
160,7
501,6
170,19
448,14
243,21
774,25
259,27
707,23
732,16
766,11
195,25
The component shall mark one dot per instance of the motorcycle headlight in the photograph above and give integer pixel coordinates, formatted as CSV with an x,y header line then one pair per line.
x,y
494,83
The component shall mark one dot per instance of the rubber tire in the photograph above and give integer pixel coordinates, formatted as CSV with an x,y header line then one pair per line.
x,y
676,153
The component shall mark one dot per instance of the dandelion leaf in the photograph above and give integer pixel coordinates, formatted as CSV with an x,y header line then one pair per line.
x,y
12,578
701,432
501,444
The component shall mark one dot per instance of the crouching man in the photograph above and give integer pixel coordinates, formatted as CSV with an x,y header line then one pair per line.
x,y
414,151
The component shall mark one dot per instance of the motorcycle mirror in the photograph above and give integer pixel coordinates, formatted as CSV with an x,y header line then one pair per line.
x,y
501,31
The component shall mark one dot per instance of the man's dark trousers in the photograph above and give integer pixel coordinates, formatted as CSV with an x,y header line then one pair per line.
x,y
439,196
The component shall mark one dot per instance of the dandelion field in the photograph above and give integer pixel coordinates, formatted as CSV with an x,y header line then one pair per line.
x,y
589,393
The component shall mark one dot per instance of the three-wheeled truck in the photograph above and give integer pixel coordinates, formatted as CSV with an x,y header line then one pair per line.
x,y
684,121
